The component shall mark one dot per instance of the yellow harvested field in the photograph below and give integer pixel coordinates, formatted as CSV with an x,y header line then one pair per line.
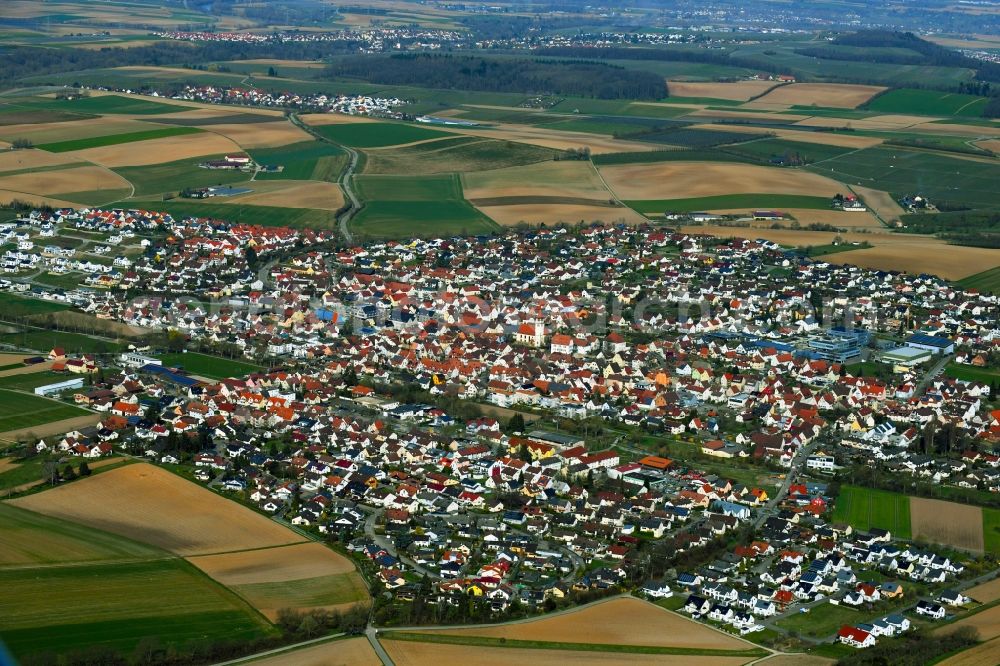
x,y
618,621
986,622
913,253
76,179
985,593
6,464
557,139
292,194
843,140
158,151
678,180
835,95
984,654
949,523
333,119
16,160
269,565
739,91
554,179
149,504
349,652
537,213
261,135
26,369
407,653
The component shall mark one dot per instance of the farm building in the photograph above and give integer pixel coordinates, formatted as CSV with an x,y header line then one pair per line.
x,y
768,215
932,343
59,387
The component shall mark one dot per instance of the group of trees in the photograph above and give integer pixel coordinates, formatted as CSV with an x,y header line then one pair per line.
x,y
516,75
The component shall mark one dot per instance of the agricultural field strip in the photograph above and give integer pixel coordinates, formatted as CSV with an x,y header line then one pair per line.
x,y
501,642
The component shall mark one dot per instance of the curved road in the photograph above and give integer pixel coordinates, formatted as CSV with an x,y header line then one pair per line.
x,y
345,181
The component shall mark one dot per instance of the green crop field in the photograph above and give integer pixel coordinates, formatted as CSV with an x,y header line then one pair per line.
x,y
987,281
63,608
929,102
459,154
972,373
105,104
765,149
728,201
213,367
900,171
402,206
17,306
74,343
308,160
115,139
20,410
28,538
991,530
865,508
403,219
172,177
378,134
275,216
305,592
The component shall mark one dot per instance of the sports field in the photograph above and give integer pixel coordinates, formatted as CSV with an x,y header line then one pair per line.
x,y
213,367
21,410
865,508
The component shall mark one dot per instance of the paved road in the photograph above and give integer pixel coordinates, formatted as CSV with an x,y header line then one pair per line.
x,y
932,374
372,634
346,180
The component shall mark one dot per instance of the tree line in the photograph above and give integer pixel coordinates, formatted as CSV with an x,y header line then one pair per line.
x,y
514,75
